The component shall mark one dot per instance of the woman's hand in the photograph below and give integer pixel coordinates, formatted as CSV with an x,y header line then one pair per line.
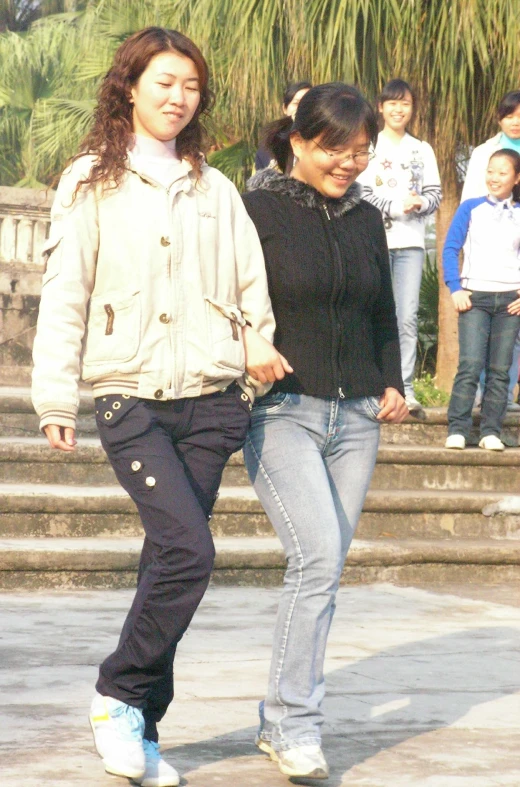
x,y
462,300
263,361
393,407
62,437
514,308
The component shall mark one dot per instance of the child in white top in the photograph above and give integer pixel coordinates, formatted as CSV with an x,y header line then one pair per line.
x,y
402,180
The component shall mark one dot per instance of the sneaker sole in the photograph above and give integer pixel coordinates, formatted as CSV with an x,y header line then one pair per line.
x,y
266,748
129,773
317,773
157,782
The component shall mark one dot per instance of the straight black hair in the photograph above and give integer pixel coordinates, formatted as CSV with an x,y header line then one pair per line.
x,y
508,104
514,158
292,89
395,90
334,113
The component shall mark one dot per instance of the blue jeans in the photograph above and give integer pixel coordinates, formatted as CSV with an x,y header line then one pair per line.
x,y
513,375
310,460
487,334
406,267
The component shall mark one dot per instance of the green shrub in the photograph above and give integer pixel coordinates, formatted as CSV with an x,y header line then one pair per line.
x,y
427,394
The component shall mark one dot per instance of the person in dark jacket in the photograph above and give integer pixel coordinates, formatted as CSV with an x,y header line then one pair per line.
x,y
313,439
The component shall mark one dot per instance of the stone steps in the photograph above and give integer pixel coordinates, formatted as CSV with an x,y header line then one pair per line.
x,y
65,522
404,467
47,510
94,562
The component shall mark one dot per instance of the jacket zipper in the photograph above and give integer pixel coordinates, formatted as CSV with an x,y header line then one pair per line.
x,y
337,258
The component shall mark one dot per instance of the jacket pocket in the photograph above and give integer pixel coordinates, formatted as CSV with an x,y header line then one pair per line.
x,y
224,323
113,329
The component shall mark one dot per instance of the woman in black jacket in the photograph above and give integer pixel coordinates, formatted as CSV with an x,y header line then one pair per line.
x,y
313,440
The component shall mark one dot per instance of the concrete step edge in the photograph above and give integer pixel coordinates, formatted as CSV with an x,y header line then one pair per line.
x,y
55,498
89,450
123,554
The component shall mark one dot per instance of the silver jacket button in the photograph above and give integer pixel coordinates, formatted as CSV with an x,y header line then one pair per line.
x,y
150,481
136,466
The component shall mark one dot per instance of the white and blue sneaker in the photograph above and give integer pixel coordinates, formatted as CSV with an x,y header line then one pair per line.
x,y
118,731
157,771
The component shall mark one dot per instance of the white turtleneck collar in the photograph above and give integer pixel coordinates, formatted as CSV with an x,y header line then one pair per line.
x,y
154,148
157,159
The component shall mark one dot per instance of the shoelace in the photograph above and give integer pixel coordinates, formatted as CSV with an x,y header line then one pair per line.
x,y
132,720
151,750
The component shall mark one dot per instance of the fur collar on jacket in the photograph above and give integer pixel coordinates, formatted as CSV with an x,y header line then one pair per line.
x,y
305,195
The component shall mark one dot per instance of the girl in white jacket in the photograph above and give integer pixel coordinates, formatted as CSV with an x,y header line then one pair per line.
x,y
402,180
155,292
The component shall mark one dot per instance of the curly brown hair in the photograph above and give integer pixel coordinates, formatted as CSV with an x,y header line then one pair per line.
x,y
112,128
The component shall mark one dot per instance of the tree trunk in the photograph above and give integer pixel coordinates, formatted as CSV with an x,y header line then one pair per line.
x,y
448,347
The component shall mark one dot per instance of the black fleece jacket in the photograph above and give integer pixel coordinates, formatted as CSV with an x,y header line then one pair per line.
x,y
330,287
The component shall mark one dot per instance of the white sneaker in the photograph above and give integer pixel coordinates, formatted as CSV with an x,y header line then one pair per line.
x,y
455,441
304,762
491,443
118,734
157,773
513,407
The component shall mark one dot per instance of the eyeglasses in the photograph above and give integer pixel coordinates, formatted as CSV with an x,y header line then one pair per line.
x,y
363,157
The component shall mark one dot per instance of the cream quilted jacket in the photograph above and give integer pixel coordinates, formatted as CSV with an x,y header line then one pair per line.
x,y
145,290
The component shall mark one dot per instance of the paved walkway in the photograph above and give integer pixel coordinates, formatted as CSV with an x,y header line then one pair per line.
x,y
423,688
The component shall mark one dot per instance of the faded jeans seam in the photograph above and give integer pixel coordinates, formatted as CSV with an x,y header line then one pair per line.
x,y
294,538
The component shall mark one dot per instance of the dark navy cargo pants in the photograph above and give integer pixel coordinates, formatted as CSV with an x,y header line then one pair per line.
x,y
169,457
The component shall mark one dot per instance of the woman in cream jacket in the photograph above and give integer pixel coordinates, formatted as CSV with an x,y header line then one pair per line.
x,y
155,293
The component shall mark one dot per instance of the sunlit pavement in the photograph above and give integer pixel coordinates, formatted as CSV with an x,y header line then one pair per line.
x,y
423,688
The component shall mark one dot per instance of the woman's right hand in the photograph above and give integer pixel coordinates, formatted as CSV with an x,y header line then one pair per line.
x,y
263,361
62,437
461,300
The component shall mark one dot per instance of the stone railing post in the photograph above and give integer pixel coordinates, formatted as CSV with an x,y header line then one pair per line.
x,y
24,226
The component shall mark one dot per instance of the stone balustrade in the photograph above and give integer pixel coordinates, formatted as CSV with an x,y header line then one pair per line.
x,y
24,226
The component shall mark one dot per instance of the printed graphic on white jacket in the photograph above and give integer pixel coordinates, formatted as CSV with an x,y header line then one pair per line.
x,y
394,172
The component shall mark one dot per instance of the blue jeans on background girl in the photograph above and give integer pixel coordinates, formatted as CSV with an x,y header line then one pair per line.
x,y
310,460
406,266
487,334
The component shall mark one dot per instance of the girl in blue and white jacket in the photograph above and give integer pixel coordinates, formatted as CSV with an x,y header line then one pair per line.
x,y
485,294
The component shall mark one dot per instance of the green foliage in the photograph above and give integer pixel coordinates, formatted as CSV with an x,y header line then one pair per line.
x,y
234,161
428,317
461,56
427,394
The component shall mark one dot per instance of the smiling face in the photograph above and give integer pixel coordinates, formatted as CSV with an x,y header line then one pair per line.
x,y
510,124
165,97
397,112
501,177
330,172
